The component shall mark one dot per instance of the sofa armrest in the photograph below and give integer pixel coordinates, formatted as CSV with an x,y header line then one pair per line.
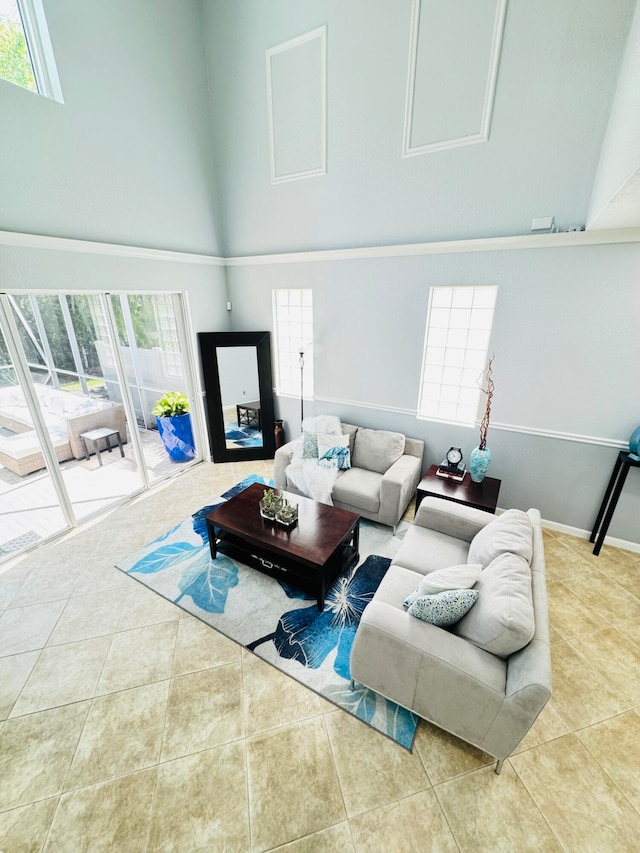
x,y
451,518
397,487
281,460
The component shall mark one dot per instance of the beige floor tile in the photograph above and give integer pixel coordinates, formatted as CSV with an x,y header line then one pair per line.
x,y
373,770
138,657
615,658
87,616
122,734
272,699
414,825
49,583
204,710
201,802
563,562
336,839
631,629
568,615
293,786
580,694
25,829
24,629
112,816
548,726
583,806
494,813
36,752
63,674
198,646
446,756
102,575
14,672
606,597
11,582
625,572
143,607
615,744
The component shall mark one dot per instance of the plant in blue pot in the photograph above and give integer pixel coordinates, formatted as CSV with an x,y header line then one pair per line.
x,y
174,426
480,458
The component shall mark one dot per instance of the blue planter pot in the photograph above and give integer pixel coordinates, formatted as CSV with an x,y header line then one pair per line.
x,y
177,437
479,462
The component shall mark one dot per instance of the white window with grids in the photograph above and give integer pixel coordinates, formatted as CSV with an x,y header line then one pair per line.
x,y
456,347
293,332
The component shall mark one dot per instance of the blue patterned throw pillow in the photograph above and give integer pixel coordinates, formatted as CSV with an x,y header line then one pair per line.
x,y
333,451
445,608
309,445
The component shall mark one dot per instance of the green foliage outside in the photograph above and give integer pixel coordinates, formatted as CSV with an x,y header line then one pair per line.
x,y
15,64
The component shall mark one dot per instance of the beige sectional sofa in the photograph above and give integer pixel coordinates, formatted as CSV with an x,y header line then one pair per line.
x,y
383,477
67,416
486,677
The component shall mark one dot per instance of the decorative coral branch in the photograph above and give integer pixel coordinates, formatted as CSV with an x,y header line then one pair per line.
x,y
487,389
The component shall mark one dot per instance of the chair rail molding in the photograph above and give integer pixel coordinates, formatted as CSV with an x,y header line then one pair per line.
x,y
482,134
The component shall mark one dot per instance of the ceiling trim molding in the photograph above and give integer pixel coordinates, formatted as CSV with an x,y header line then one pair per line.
x,y
88,247
487,110
321,33
562,239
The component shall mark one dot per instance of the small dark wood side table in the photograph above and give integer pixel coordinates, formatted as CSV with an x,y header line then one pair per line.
x,y
620,470
482,495
249,414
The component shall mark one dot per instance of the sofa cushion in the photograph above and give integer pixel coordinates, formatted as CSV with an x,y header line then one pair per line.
x,y
451,577
358,488
510,533
425,550
377,449
445,608
502,621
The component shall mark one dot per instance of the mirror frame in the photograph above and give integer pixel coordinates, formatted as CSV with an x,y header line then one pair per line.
x,y
209,344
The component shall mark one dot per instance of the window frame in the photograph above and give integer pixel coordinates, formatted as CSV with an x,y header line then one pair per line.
x,y
422,412
40,49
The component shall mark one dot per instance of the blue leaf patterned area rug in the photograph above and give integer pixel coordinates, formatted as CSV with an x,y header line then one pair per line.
x,y
274,620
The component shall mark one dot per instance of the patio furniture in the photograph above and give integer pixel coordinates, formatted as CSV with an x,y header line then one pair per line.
x,y
95,436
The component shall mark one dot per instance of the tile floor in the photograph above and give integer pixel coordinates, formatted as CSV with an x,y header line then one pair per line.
x,y
128,725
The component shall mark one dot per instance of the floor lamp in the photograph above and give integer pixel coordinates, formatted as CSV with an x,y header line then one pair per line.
x,y
301,365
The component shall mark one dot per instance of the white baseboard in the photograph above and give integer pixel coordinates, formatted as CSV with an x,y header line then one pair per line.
x,y
585,534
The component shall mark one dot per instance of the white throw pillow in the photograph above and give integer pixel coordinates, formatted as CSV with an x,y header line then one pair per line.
x,y
452,577
509,533
502,621
333,451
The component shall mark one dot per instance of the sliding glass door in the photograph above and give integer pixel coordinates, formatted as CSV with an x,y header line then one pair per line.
x,y
92,365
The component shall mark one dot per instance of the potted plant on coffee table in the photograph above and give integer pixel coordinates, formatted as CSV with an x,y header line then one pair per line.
x,y
174,425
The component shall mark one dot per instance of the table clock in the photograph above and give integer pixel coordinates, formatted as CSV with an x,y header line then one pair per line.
x,y
452,463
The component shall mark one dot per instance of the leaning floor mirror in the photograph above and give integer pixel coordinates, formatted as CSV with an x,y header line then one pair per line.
x,y
236,368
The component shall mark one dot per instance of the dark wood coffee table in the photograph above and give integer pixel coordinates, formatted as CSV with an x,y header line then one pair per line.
x,y
310,554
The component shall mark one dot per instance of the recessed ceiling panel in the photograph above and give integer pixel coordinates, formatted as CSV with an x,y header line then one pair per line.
x,y
296,92
454,54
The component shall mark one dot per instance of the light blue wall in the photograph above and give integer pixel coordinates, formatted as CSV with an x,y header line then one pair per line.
x,y
566,350
126,158
556,80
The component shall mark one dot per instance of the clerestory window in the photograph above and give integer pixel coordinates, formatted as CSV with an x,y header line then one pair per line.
x,y
457,338
26,54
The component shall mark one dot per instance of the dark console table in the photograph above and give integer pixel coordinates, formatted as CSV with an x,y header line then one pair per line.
x,y
609,502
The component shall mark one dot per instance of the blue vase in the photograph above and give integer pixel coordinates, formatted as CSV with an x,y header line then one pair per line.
x,y
479,462
634,444
177,437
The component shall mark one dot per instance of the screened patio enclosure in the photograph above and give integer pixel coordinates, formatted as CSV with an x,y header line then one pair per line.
x,y
80,374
